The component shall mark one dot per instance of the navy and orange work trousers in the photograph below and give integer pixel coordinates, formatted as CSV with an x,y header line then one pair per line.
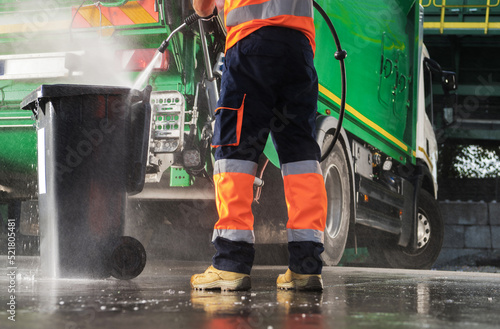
x,y
269,86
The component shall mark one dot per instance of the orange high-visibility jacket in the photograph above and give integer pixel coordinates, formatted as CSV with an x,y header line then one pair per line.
x,y
242,17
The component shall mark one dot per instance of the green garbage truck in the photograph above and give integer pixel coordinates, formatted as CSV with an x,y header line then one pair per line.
x,y
380,174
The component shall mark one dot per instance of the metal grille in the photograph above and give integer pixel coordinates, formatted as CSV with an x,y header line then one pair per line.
x,y
168,121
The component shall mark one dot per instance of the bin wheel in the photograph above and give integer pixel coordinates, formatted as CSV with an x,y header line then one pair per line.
x,y
128,258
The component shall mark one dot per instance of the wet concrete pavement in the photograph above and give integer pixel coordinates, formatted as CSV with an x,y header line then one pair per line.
x,y
161,298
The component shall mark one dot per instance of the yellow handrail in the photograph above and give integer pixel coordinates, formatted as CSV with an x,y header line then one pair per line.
x,y
443,4
443,7
487,18
441,25
427,5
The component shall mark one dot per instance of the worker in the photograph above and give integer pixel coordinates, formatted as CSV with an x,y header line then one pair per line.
x,y
269,85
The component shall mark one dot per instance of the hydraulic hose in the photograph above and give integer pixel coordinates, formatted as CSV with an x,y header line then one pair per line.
x,y
340,55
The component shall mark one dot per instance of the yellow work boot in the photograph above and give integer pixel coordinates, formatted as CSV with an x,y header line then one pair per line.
x,y
292,280
218,279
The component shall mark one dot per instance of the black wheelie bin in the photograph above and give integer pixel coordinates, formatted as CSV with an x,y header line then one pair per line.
x,y
92,151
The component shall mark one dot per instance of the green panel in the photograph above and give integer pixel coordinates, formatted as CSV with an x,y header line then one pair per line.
x,y
271,153
353,256
13,93
18,151
380,39
179,177
17,132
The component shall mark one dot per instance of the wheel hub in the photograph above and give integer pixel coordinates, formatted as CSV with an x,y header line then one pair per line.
x,y
333,184
423,231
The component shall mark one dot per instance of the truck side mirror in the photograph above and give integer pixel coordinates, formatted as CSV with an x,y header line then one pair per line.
x,y
449,81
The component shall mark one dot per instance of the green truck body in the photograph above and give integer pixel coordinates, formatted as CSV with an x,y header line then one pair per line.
x,y
383,51
381,175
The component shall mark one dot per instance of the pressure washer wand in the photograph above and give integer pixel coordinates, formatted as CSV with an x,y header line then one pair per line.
x,y
188,21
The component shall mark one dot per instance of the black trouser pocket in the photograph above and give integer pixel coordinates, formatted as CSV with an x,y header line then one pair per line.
x,y
228,123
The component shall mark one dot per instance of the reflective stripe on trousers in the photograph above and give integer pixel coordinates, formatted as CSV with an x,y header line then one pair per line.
x,y
306,201
304,192
233,181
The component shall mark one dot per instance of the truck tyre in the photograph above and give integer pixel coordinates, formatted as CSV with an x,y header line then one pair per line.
x,y
338,190
430,228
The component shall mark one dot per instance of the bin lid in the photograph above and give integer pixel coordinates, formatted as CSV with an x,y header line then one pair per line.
x,y
45,92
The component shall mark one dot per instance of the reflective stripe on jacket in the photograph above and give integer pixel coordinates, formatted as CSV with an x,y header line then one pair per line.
x,y
242,17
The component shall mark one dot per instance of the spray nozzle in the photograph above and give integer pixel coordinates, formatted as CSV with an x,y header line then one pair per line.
x,y
163,46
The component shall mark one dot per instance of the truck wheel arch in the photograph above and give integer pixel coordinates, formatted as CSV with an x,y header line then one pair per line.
x,y
427,181
327,125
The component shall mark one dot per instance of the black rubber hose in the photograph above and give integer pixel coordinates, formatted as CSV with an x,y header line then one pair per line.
x,y
340,55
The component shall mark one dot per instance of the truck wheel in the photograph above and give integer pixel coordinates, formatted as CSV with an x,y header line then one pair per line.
x,y
338,191
430,230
